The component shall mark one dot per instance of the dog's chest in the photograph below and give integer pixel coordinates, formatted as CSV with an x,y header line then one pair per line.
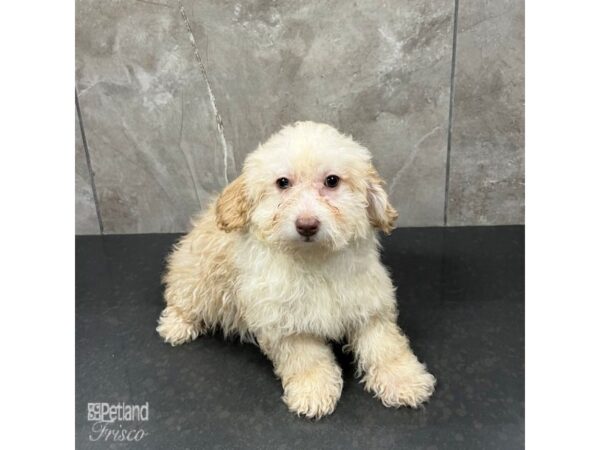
x,y
321,299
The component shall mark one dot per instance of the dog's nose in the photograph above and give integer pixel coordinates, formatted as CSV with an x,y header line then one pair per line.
x,y
307,226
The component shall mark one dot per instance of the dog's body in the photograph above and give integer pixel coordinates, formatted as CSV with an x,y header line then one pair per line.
x,y
288,257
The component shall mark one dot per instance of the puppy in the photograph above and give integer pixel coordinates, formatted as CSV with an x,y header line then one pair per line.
x,y
288,257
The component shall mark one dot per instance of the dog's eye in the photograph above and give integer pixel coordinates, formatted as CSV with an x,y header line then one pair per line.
x,y
283,183
332,181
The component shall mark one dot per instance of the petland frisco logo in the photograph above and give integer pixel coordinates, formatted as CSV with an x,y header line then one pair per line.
x,y
108,421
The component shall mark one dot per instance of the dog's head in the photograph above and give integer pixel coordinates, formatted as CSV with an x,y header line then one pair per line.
x,y
307,187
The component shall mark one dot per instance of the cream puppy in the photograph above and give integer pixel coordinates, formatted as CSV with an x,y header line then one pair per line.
x,y
288,257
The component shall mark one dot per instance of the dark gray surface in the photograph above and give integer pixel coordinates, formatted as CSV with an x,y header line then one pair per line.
x,y
461,300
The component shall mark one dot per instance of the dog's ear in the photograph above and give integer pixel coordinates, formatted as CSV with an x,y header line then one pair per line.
x,y
233,206
381,213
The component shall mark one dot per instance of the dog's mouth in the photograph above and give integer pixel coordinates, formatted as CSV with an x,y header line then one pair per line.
x,y
308,239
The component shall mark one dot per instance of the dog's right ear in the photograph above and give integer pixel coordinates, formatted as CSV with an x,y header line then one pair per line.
x,y
233,206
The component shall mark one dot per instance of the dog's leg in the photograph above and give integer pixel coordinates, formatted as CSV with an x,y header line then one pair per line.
x,y
178,327
389,367
185,296
312,380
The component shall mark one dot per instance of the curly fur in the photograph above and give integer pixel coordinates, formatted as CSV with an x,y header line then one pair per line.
x,y
245,269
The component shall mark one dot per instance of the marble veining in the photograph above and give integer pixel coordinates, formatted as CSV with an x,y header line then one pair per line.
x,y
174,95
487,159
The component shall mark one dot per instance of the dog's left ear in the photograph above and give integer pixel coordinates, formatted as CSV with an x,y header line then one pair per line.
x,y
381,213
233,206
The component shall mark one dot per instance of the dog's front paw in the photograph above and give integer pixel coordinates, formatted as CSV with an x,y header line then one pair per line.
x,y
176,330
404,383
314,393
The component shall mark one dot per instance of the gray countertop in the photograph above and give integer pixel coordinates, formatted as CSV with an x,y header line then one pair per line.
x,y
461,301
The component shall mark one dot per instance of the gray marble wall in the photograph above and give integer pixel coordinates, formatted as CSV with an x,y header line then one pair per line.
x,y
173,94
